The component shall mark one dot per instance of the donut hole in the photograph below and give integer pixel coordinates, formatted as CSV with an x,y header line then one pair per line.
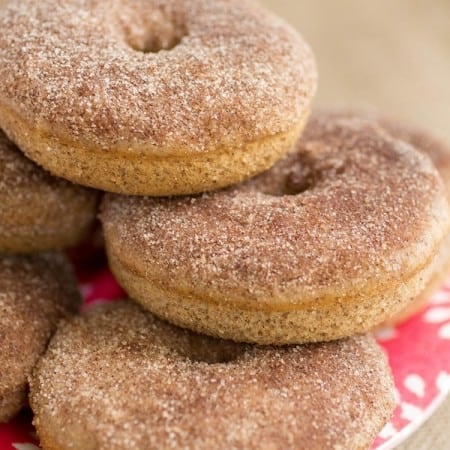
x,y
153,44
306,179
212,356
150,30
203,349
302,175
294,183
298,183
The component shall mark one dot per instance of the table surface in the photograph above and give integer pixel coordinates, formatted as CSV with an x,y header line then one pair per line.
x,y
435,434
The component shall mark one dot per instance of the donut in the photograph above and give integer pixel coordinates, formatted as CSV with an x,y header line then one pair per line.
x,y
118,378
330,242
439,153
39,212
36,292
152,97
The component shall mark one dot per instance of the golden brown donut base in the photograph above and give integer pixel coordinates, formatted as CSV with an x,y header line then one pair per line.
x,y
117,378
139,171
439,275
272,321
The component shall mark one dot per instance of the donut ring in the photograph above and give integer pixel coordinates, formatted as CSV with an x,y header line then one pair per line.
x,y
187,96
35,293
39,212
330,242
117,378
439,153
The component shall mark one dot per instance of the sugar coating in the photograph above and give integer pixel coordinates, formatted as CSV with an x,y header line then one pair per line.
x,y
36,292
433,146
351,207
439,152
79,68
118,378
39,212
437,149
34,203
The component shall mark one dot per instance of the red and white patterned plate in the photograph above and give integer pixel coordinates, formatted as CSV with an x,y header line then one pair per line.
x,y
419,354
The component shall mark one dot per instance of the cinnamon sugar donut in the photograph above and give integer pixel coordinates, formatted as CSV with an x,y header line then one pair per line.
x,y
439,153
117,378
330,242
39,212
35,293
152,97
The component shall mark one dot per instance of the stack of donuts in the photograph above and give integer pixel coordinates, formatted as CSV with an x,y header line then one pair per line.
x,y
259,244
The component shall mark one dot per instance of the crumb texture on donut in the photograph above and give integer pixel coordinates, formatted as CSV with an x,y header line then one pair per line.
x,y
331,241
36,292
38,211
118,378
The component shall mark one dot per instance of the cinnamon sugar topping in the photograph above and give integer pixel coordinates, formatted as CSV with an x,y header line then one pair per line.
x,y
33,203
351,204
36,292
170,74
128,381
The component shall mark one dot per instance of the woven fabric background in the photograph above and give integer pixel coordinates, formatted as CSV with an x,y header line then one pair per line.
x,y
394,55
435,434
